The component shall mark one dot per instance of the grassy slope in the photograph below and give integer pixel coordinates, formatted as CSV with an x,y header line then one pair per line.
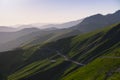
x,y
85,48
99,69
52,36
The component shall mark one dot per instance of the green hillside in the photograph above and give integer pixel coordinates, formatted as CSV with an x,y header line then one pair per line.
x,y
105,67
91,56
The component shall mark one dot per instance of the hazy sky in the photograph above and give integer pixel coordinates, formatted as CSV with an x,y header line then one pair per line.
x,y
14,12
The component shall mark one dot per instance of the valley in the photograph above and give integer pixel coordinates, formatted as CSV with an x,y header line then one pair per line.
x,y
84,49
71,58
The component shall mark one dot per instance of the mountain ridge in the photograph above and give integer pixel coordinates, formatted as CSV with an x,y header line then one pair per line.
x,y
98,21
87,49
88,24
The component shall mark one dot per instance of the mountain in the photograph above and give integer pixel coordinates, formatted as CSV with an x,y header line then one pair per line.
x,y
51,28
87,24
37,37
62,25
98,21
43,26
25,26
8,36
7,29
90,56
53,32
25,34
50,25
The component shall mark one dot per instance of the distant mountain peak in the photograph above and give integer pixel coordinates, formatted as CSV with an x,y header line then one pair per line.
x,y
7,29
117,12
30,29
96,16
92,18
98,21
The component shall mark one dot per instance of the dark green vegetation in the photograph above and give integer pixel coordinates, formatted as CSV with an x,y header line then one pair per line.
x,y
1,77
99,51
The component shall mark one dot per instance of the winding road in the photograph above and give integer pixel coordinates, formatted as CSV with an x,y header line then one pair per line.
x,y
67,59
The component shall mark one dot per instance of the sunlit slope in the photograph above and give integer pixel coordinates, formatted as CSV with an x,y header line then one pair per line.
x,y
98,51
